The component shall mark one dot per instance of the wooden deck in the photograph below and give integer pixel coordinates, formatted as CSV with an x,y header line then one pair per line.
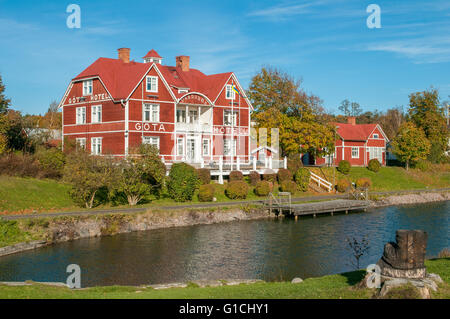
x,y
331,206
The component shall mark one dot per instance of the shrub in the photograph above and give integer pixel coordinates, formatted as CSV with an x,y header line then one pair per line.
x,y
206,193
343,185
51,162
183,181
270,176
344,167
423,165
236,176
262,188
363,182
254,178
444,253
294,162
289,186
374,165
204,175
302,177
284,175
237,190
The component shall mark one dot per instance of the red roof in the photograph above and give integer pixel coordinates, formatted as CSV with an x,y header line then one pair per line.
x,y
357,132
121,78
152,54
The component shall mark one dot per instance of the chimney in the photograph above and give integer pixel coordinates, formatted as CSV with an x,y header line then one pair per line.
x,y
124,54
183,62
351,120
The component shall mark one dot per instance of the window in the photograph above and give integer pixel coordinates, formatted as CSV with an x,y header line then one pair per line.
x,y
81,143
152,140
180,146
181,116
183,90
229,147
205,147
150,113
376,152
375,136
96,145
96,114
81,115
193,116
87,87
229,117
229,92
152,84
355,152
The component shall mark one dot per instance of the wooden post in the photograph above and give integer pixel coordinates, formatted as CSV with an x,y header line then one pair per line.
x,y
265,161
296,217
220,170
270,162
285,162
314,215
254,163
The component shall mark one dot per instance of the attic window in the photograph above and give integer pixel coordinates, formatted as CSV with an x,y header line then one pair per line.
x,y
183,90
155,60
375,135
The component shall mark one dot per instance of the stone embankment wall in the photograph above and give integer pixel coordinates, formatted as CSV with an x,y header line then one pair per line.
x,y
412,199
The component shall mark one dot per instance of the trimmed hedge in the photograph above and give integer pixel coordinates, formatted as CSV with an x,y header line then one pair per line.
x,y
237,190
284,175
289,186
343,185
270,176
206,193
262,188
344,167
302,177
374,165
204,175
254,178
236,176
363,182
182,182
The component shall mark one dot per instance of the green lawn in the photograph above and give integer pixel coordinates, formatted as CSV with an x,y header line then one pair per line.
x,y
333,286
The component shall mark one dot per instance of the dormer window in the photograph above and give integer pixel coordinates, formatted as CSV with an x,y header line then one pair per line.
x,y
229,92
152,84
375,136
87,87
153,60
183,91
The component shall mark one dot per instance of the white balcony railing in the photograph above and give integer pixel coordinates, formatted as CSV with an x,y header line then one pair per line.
x,y
193,127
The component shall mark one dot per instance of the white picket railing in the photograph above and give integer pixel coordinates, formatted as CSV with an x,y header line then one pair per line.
x,y
321,182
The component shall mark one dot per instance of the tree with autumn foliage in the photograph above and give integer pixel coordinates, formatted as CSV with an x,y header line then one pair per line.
x,y
411,144
280,102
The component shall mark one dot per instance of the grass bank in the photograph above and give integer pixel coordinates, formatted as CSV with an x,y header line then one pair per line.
x,y
327,287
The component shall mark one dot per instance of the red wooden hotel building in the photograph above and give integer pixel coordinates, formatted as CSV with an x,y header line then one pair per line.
x,y
114,105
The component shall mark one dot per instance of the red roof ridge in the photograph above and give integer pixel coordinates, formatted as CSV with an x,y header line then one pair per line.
x,y
152,54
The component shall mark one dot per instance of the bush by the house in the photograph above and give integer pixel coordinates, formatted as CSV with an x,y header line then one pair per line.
x,y
182,182
374,165
237,190
206,193
19,164
254,178
236,176
302,177
343,185
263,188
363,182
204,175
155,169
284,175
270,176
288,186
344,167
51,161
294,162
423,165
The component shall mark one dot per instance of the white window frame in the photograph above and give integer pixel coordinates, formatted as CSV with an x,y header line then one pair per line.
x,y
150,108
375,151
180,142
150,140
152,89
231,148
81,142
376,136
181,111
229,92
80,114
96,114
207,153
355,148
226,114
95,142
87,87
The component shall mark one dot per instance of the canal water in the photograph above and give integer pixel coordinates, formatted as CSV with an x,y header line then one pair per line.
x,y
263,249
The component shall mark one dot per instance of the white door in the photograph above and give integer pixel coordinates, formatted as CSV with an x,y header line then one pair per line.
x,y
190,151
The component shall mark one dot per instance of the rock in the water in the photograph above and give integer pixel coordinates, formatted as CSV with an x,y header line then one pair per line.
x,y
296,280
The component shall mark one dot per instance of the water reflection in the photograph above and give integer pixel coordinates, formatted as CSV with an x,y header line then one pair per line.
x,y
266,249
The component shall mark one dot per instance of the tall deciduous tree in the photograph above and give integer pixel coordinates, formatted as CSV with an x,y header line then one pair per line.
x,y
411,144
4,102
350,108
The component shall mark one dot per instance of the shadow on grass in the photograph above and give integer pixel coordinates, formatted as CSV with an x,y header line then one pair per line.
x,y
354,277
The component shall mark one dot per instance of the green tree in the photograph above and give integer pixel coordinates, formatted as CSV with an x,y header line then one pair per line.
x,y
4,102
425,111
154,169
411,144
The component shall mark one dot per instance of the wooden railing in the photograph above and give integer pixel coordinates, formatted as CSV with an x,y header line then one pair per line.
x,y
321,182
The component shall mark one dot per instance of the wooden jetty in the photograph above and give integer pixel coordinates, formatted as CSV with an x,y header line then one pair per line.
x,y
282,205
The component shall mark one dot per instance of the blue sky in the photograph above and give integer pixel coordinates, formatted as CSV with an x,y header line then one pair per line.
x,y
326,43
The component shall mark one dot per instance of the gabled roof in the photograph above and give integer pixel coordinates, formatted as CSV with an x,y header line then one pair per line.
x,y
121,78
357,132
152,54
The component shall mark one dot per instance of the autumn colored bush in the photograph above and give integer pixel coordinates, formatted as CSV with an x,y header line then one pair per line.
x,y
294,162
374,165
344,167
204,175
206,193
254,178
236,190
284,175
236,176
363,182
262,188
288,186
302,177
343,185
